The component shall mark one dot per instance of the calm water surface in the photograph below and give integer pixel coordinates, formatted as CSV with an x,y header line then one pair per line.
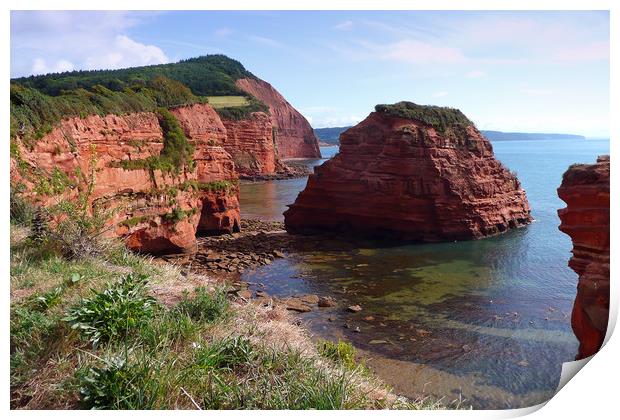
x,y
488,320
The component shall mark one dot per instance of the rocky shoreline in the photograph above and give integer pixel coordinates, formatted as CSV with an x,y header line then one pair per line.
x,y
259,243
290,170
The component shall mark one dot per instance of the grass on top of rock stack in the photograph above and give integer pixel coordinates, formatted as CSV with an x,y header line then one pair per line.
x,y
121,331
436,116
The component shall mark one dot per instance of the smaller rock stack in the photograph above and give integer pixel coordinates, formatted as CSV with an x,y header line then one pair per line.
x,y
585,189
411,172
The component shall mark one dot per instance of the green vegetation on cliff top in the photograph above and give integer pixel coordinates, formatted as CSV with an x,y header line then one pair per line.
x,y
40,102
204,76
441,118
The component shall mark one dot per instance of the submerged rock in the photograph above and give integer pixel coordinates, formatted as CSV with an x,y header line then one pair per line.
x,y
415,173
585,189
326,302
296,304
310,299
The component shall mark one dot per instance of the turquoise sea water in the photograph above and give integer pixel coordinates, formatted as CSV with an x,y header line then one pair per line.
x,y
488,320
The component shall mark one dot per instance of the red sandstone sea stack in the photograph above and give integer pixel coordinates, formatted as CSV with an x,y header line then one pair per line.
x,y
585,189
415,173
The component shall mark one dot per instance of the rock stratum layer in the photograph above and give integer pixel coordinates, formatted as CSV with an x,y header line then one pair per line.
x,y
585,189
251,144
294,136
402,178
155,211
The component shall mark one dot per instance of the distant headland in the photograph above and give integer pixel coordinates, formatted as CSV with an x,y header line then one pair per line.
x,y
330,135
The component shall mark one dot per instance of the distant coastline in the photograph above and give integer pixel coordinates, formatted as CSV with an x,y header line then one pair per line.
x,y
329,135
506,136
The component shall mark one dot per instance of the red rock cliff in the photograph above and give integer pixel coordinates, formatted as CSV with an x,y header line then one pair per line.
x,y
585,189
401,178
250,142
295,137
155,212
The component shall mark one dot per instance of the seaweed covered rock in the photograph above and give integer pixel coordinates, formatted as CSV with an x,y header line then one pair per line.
x,y
411,172
585,189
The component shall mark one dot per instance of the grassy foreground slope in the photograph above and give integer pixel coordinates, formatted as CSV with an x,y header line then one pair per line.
x,y
94,326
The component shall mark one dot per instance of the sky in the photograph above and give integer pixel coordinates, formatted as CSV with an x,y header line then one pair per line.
x,y
532,71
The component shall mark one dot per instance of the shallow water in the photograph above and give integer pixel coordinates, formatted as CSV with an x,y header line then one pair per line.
x,y
488,319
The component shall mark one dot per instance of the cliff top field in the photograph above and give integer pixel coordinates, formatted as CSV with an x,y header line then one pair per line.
x,y
40,102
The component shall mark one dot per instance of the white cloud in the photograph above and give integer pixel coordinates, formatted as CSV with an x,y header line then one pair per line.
x,y
320,119
440,94
407,50
344,26
413,51
487,38
265,41
39,66
564,37
125,52
66,40
474,74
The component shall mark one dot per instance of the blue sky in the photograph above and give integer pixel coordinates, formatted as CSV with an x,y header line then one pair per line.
x,y
511,71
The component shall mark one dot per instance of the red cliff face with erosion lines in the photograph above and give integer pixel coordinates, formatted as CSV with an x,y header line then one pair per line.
x,y
154,211
295,137
585,189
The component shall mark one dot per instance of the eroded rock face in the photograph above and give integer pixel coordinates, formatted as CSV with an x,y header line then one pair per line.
x,y
400,178
155,211
250,142
201,124
295,137
585,189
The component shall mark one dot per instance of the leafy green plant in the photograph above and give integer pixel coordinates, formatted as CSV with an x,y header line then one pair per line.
x,y
119,384
134,221
213,186
229,353
48,299
22,211
341,352
113,312
203,305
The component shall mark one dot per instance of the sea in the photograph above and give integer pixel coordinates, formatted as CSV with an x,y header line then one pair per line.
x,y
482,323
